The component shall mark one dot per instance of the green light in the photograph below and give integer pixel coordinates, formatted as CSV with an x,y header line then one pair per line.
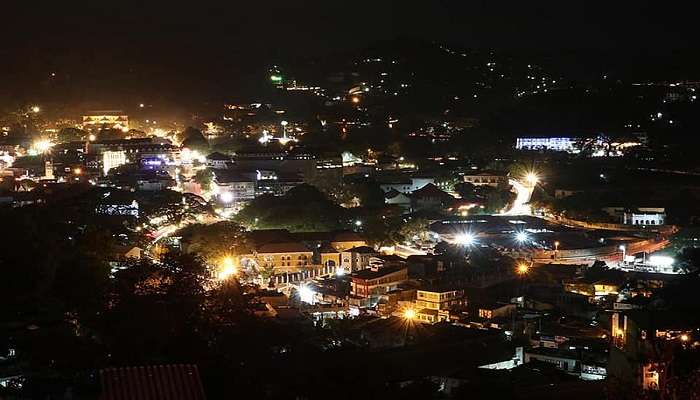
x,y
275,78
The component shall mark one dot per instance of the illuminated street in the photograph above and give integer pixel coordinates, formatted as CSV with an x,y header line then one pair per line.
x,y
523,193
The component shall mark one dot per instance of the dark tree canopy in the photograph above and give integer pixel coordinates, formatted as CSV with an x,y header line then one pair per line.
x,y
303,208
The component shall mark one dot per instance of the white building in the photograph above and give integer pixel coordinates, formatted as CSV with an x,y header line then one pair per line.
x,y
112,159
642,216
406,185
546,143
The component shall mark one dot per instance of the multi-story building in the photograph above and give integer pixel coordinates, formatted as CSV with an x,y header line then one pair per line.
x,y
282,257
435,305
234,189
373,282
357,258
567,144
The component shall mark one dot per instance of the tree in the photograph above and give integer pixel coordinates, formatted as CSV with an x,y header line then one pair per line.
x,y
71,134
213,242
194,139
369,193
303,208
204,178
465,190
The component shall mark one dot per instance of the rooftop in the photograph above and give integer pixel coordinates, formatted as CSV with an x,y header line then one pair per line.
x,y
373,274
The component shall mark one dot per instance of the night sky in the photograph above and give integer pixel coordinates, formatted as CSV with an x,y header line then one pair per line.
x,y
98,46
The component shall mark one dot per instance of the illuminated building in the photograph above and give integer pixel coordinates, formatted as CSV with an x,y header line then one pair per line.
x,y
496,310
644,217
282,257
357,258
489,178
546,143
373,282
48,170
435,305
105,119
218,160
112,159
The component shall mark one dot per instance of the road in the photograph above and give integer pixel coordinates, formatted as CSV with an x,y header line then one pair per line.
x,y
523,193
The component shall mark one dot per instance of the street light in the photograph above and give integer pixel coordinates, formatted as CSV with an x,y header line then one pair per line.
x,y
522,269
623,249
226,197
532,178
409,314
228,268
36,109
306,294
284,128
465,239
521,237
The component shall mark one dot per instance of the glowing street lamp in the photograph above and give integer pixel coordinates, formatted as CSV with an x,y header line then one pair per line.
x,y
409,314
226,197
521,237
42,146
522,269
228,269
284,128
532,178
466,239
36,109
306,294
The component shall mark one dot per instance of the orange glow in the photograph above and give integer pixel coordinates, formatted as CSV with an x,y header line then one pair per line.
x,y
409,314
522,269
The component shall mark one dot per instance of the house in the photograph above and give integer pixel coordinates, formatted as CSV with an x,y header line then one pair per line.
x,y
429,196
374,282
218,160
394,197
404,184
489,178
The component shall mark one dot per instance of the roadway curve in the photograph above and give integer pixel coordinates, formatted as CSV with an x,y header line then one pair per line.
x,y
523,193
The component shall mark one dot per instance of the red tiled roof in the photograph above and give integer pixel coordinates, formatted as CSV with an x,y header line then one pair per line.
x,y
156,382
